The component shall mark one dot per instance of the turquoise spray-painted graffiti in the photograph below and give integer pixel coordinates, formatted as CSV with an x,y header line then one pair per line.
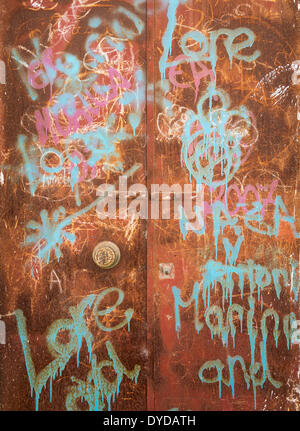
x,y
51,233
63,352
214,144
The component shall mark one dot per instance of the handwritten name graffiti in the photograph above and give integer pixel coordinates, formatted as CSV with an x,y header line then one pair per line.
x,y
254,217
79,68
215,276
96,103
80,104
197,103
218,137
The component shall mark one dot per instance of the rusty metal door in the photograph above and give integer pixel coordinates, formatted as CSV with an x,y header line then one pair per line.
x,y
149,197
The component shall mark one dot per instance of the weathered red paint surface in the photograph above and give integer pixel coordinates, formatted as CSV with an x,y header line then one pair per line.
x,y
45,290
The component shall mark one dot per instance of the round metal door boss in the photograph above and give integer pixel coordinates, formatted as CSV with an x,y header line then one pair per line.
x,y
106,255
